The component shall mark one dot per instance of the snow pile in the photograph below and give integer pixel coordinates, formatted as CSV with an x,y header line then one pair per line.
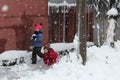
x,y
13,56
62,46
9,55
113,12
76,42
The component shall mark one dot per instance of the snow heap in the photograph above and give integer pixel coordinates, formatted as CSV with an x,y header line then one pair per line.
x,y
9,57
76,42
113,12
12,54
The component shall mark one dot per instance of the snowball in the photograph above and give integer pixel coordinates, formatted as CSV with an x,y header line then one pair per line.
x,y
4,8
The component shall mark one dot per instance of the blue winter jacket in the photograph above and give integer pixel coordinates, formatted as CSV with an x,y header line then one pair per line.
x,y
38,41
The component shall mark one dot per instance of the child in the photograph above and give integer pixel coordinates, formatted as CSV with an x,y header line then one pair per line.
x,y
50,56
37,39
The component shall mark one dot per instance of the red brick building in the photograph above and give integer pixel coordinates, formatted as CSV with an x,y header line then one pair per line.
x,y
17,18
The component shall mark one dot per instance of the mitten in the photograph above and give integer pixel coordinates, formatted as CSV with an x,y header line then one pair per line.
x,y
33,37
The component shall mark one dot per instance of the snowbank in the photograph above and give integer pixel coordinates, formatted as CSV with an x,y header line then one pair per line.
x,y
12,54
102,64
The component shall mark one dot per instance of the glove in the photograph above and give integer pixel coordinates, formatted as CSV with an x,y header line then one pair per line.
x,y
33,37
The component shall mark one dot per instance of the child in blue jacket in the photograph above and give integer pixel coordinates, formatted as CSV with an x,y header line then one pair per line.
x,y
37,39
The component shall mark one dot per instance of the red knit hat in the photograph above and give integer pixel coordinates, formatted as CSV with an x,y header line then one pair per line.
x,y
47,46
38,26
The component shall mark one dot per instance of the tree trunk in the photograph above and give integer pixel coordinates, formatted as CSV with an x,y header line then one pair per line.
x,y
81,24
78,24
83,32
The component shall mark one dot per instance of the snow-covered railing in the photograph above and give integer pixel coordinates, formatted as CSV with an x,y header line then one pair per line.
x,y
61,4
64,4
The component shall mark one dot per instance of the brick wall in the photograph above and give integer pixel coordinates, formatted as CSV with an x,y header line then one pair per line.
x,y
17,18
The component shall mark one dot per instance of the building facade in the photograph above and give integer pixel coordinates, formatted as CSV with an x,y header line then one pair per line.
x,y
17,18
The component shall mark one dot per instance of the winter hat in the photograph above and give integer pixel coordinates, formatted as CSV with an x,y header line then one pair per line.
x,y
47,46
38,26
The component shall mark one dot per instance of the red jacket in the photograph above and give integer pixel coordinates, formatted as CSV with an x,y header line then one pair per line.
x,y
50,57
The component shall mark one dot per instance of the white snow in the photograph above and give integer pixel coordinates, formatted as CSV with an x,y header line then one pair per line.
x,y
61,4
98,13
110,32
98,34
113,12
4,8
12,54
102,64
76,43
118,5
62,46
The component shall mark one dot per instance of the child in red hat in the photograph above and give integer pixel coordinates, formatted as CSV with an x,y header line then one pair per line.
x,y
37,43
38,27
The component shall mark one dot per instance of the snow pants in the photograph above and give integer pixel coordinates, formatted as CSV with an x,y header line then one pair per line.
x,y
36,51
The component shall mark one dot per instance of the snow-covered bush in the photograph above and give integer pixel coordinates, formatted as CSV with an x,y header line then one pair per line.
x,y
112,13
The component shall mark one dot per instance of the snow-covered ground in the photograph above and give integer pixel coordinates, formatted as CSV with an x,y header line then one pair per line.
x,y
102,64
